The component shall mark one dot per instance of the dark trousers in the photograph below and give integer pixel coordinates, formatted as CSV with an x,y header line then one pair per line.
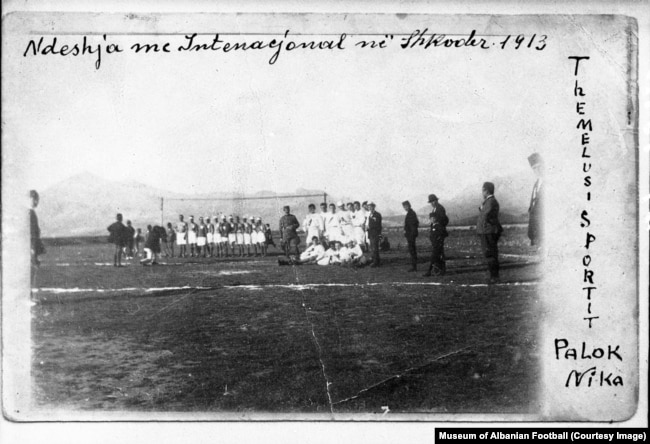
x,y
412,251
374,248
437,254
489,244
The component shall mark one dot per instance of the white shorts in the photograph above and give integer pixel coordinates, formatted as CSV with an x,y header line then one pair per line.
x,y
181,239
200,241
210,238
260,237
247,238
232,238
334,235
216,238
359,235
240,238
191,237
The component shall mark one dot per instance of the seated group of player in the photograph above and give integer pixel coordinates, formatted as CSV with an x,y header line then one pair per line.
x,y
338,253
335,236
227,236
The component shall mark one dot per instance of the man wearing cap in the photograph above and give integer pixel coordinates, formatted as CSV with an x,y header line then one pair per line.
x,y
288,237
535,232
489,230
374,233
411,225
438,221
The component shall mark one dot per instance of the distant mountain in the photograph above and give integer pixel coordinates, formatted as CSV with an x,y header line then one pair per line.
x,y
86,204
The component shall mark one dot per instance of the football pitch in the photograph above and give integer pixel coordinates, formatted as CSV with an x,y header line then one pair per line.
x,y
245,335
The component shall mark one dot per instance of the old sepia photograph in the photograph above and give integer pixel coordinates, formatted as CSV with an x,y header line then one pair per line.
x,y
322,217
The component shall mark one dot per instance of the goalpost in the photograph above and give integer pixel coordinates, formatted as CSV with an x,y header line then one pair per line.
x,y
231,199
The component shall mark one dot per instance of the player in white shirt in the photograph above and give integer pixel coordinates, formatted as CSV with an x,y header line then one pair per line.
x,y
332,255
359,224
313,224
323,216
314,253
333,225
248,235
181,236
352,254
345,221
366,240
192,232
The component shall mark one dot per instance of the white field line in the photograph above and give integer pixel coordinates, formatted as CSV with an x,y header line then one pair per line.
x,y
297,287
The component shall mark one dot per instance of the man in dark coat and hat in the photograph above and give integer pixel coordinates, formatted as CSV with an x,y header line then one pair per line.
x,y
489,230
411,225
438,221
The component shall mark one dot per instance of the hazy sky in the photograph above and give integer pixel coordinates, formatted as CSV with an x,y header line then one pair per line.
x,y
355,123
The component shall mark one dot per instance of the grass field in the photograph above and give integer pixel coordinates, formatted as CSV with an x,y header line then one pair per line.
x,y
245,335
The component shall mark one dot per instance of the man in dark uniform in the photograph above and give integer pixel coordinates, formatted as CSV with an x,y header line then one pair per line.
x,y
288,236
489,230
374,233
438,221
117,236
535,232
411,225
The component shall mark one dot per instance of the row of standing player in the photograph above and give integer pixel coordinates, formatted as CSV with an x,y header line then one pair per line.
x,y
232,236
202,239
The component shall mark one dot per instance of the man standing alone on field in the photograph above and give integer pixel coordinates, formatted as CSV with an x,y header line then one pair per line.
x,y
411,225
438,232
288,236
118,237
374,233
489,230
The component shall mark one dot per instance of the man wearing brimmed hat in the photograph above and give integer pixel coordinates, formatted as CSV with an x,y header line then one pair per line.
x,y
374,233
438,221
411,225
535,232
489,230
